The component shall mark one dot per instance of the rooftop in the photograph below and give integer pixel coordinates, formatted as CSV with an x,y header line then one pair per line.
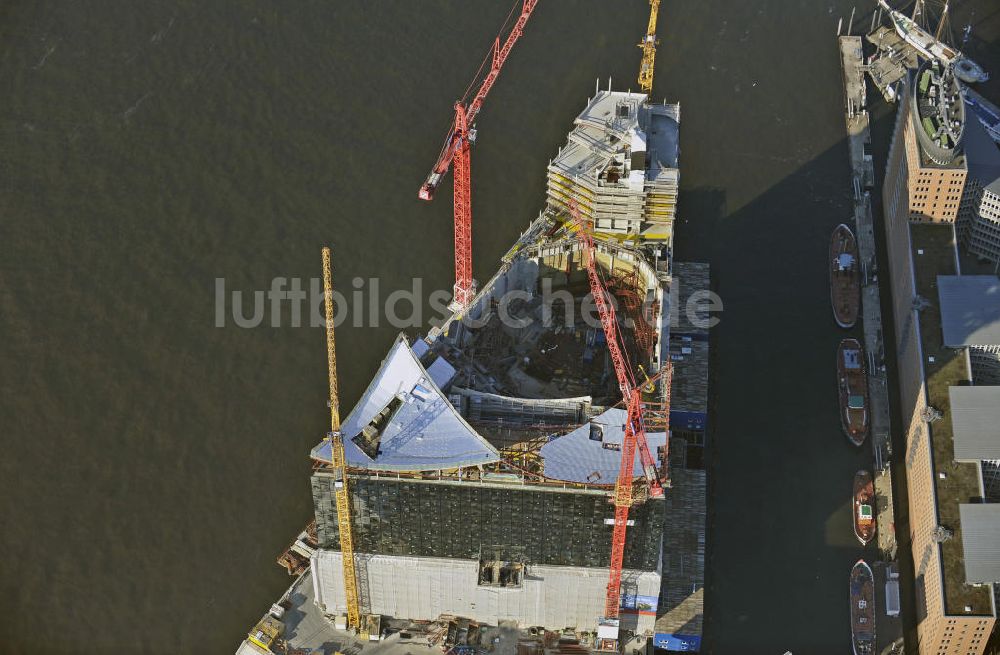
x,y
945,367
987,113
688,345
680,615
975,415
404,422
970,309
613,126
592,452
689,389
938,113
981,523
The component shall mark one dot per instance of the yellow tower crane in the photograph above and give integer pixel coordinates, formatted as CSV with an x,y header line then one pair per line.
x,y
338,460
648,46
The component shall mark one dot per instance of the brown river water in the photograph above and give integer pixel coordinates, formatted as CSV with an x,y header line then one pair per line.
x,y
153,465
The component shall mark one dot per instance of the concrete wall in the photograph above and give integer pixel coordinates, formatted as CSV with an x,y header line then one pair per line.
x,y
426,587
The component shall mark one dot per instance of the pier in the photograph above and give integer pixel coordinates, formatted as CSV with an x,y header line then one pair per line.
x,y
863,180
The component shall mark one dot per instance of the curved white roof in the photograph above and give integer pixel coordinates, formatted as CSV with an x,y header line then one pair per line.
x,y
576,457
425,433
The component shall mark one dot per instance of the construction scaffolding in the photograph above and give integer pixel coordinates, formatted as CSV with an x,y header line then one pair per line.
x,y
427,587
431,518
620,167
482,457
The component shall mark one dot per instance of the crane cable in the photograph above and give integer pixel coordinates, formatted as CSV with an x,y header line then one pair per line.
x,y
476,78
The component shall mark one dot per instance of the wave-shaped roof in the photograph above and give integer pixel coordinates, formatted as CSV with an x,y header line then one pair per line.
x,y
592,453
418,428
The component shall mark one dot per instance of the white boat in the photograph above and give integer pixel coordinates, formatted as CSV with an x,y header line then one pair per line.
x,y
930,47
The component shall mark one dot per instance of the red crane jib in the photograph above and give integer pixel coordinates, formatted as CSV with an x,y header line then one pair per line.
x,y
455,151
457,134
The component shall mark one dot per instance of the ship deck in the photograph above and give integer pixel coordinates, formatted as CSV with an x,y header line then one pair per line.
x,y
845,278
863,605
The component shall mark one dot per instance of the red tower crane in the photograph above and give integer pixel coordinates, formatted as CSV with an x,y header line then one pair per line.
x,y
455,151
635,432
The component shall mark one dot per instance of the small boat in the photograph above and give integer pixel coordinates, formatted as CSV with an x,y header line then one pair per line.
x,y
852,383
862,609
864,503
845,278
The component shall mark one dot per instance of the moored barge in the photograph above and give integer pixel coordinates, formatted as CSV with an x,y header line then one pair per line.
x,y
862,609
852,384
845,280
864,504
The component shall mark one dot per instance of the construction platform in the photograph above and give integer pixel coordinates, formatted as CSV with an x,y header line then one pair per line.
x,y
303,627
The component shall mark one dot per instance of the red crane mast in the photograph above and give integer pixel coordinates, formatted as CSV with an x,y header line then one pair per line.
x,y
635,432
455,151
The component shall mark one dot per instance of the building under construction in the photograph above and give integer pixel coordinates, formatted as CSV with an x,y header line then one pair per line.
x,y
482,455
515,463
481,473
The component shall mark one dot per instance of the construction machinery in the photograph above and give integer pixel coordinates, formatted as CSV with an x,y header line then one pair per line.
x,y
635,433
455,151
266,633
338,462
648,46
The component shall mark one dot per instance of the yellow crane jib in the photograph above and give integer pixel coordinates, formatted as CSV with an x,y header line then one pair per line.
x,y
337,459
648,45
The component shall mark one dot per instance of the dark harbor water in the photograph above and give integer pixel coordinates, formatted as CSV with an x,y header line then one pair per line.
x,y
154,465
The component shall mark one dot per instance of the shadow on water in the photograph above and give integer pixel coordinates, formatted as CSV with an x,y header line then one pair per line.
x,y
780,539
780,536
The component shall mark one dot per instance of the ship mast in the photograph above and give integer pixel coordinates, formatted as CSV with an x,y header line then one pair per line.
x,y
941,23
